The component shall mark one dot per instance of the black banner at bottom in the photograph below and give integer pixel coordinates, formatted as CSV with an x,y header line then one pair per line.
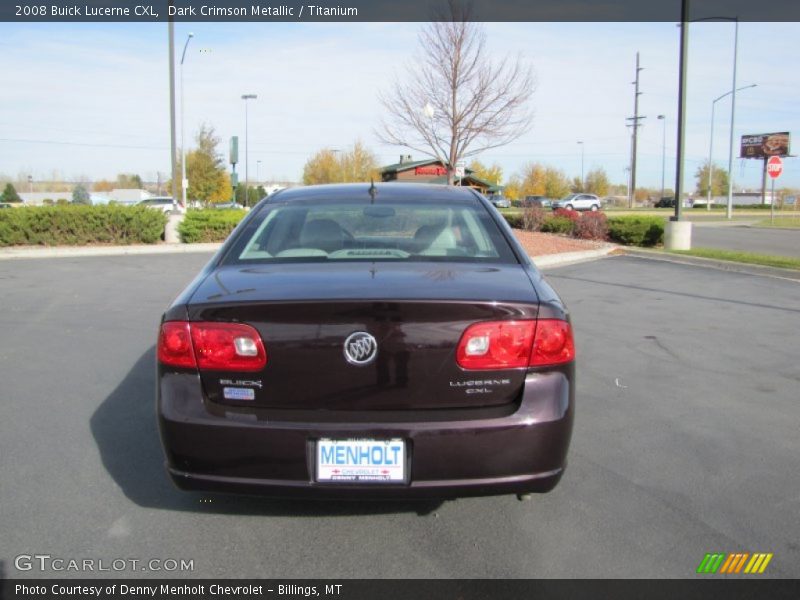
x,y
394,589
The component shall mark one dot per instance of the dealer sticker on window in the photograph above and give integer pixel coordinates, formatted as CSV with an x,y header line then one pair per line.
x,y
361,461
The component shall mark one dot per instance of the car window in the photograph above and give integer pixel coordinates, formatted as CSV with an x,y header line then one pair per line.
x,y
391,230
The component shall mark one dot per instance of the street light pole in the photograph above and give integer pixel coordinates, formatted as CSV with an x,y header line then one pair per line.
x,y
246,97
663,151
173,149
184,182
711,142
729,209
258,170
583,182
683,62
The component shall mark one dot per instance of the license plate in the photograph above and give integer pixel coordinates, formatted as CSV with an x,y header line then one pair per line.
x,y
361,461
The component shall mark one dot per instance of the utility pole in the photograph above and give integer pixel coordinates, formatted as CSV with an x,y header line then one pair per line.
x,y
635,124
172,133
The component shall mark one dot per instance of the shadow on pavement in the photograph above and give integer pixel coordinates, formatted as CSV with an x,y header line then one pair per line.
x,y
125,430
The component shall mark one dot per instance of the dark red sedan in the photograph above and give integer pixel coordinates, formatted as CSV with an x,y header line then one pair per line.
x,y
368,341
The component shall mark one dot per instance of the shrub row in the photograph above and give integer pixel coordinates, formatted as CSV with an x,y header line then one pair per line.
x,y
209,225
78,225
629,230
636,231
588,226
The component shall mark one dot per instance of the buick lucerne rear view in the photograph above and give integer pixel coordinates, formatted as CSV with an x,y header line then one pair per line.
x,y
368,341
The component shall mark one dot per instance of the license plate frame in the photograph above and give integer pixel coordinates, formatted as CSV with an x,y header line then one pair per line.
x,y
332,466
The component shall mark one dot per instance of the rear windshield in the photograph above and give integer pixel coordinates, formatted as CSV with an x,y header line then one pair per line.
x,y
386,230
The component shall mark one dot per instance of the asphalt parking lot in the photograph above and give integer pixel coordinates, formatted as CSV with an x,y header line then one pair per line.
x,y
761,240
686,440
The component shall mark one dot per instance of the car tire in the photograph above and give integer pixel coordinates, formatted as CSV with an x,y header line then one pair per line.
x,y
569,207
595,208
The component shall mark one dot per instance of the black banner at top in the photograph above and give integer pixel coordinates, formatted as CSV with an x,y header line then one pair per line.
x,y
390,10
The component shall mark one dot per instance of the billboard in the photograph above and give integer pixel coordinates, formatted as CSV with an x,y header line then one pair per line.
x,y
762,145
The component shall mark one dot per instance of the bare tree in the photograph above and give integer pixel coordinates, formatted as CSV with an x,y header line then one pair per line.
x,y
457,102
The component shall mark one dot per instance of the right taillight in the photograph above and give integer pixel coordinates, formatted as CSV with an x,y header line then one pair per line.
x,y
553,343
211,346
497,345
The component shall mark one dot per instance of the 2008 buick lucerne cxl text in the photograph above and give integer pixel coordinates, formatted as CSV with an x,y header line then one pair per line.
x,y
368,341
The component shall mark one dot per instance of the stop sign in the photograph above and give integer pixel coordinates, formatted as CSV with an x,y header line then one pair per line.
x,y
774,166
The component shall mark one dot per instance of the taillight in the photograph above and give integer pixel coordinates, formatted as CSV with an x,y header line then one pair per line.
x,y
228,347
175,345
211,346
496,345
553,344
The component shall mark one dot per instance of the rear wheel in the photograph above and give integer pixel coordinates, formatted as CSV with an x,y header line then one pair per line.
x,y
595,208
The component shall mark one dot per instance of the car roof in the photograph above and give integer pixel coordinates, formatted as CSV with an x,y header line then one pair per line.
x,y
385,191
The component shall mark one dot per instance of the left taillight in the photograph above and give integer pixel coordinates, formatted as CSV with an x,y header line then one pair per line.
x,y
175,345
211,346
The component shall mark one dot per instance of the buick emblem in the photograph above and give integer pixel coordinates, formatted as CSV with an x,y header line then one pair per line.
x,y
360,348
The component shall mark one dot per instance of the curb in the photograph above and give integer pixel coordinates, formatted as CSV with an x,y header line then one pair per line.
x,y
712,263
84,251
550,261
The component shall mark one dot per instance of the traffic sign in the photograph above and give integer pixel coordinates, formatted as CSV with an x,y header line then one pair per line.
x,y
774,167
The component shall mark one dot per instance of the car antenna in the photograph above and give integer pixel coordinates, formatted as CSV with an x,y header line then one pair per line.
x,y
373,191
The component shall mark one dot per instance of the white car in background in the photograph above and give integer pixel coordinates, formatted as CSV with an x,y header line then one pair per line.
x,y
164,203
579,202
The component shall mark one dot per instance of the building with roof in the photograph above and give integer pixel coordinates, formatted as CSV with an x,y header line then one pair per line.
x,y
434,171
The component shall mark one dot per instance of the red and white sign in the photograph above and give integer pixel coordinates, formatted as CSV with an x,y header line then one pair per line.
x,y
774,167
430,170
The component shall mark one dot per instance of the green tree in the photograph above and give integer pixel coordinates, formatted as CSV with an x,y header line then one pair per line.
x,y
493,174
253,196
205,169
10,194
330,166
80,195
576,185
719,185
597,182
127,181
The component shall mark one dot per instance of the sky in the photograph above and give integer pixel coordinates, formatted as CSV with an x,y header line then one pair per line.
x,y
88,101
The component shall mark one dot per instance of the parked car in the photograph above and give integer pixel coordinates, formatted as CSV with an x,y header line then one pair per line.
x,y
579,202
537,201
500,201
164,204
5,205
665,203
227,205
367,341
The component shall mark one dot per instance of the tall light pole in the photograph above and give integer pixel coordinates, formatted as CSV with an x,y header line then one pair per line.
x,y
184,181
258,170
683,60
583,182
729,209
711,142
246,97
173,148
663,151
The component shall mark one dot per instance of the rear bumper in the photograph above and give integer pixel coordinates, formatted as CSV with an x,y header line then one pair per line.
x,y
212,449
